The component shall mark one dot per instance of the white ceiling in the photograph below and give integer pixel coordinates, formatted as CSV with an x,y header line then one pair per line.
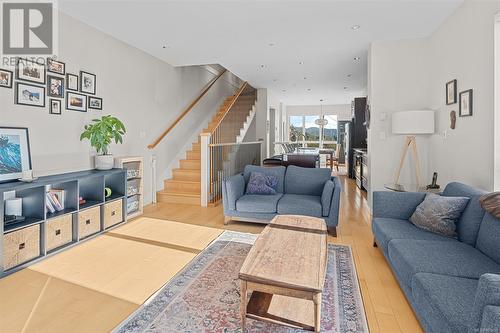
x,y
237,34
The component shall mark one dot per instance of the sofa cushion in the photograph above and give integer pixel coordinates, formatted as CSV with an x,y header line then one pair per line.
x,y
439,214
260,183
468,224
488,240
258,203
444,301
386,229
454,258
296,204
278,172
308,181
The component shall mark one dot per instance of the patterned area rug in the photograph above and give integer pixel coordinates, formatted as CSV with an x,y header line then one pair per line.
x,y
204,296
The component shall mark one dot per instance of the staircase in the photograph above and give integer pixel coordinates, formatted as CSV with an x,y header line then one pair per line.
x,y
184,186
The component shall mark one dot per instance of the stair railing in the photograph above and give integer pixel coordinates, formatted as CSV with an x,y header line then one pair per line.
x,y
188,109
221,155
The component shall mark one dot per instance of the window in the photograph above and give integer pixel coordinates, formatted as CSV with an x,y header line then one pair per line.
x,y
310,131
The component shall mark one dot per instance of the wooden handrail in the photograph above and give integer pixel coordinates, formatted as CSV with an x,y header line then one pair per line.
x,y
188,109
230,105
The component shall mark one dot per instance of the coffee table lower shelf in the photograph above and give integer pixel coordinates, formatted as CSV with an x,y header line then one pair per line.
x,y
282,310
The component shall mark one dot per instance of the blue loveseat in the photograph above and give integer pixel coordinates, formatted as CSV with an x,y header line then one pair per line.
x,y
300,191
452,284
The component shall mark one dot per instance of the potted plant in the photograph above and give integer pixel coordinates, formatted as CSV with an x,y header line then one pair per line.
x,y
101,133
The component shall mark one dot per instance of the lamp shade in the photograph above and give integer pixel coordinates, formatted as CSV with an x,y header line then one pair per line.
x,y
413,122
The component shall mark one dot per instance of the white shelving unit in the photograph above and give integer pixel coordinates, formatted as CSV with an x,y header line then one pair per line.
x,y
135,183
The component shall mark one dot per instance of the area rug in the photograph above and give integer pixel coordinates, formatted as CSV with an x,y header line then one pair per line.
x,y
205,297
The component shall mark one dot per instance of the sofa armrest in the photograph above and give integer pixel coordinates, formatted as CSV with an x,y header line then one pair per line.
x,y
487,295
491,319
326,197
397,205
233,189
333,211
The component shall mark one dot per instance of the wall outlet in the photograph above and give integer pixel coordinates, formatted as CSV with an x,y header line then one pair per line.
x,y
445,134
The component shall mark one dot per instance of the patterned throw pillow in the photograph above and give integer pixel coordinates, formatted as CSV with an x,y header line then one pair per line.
x,y
439,214
260,183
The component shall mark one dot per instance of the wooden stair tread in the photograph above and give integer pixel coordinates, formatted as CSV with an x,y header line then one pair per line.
x,y
180,194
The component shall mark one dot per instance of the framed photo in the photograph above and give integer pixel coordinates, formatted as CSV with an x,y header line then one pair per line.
x,y
451,92
55,66
55,106
28,94
72,82
14,153
55,86
28,70
5,78
87,83
76,102
466,103
95,103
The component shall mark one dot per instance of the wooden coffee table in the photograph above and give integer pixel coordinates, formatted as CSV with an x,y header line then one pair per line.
x,y
285,270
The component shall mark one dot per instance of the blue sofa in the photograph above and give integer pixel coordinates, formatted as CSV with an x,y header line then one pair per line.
x,y
300,191
453,285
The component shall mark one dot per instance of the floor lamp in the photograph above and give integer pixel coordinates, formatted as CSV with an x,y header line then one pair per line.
x,y
412,123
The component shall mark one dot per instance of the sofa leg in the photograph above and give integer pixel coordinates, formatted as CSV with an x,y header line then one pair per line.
x,y
375,243
227,219
332,231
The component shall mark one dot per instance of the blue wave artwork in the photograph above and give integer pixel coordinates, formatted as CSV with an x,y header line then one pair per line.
x,y
10,154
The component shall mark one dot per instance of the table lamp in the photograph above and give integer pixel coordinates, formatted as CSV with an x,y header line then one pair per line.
x,y
412,123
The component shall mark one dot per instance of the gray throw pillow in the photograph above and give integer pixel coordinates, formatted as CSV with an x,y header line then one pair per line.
x,y
439,214
260,183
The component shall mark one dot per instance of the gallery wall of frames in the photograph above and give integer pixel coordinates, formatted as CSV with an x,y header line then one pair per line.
x,y
34,83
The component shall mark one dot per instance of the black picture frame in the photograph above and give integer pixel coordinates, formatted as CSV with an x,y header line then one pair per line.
x,y
23,77
83,108
9,81
16,175
83,89
16,94
51,109
90,106
454,92
51,61
466,106
49,92
68,80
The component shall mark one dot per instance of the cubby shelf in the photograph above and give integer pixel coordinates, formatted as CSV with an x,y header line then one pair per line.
x,y
41,227
135,172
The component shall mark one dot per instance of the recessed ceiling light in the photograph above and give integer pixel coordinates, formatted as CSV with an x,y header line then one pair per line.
x,y
345,88
357,58
275,80
321,100
165,46
271,44
283,90
301,62
349,75
262,66
355,27
305,77
308,89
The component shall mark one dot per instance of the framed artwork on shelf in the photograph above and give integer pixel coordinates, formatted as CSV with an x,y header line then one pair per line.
x,y
55,106
71,82
55,86
29,70
28,94
87,82
5,78
466,103
15,154
451,92
57,67
95,103
76,102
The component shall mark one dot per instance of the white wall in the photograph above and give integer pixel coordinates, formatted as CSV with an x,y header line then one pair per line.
x,y
463,49
145,93
398,77
343,111
412,74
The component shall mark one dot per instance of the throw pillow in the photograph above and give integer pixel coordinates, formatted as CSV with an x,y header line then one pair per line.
x,y
439,214
260,183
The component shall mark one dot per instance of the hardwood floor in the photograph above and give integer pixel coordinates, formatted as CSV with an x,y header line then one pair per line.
x,y
386,307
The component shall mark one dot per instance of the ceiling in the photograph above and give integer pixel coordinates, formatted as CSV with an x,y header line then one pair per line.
x,y
302,51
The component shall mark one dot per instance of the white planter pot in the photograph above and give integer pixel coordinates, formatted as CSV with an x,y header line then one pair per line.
x,y
104,162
